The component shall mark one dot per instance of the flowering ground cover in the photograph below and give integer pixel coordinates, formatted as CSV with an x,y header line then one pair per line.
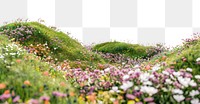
x,y
48,44
32,73
25,78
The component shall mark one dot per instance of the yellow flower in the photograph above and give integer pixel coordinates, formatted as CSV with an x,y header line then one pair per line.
x,y
137,100
131,102
100,92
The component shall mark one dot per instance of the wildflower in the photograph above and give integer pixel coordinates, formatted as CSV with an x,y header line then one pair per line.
x,y
125,77
156,67
198,59
136,66
184,81
126,85
27,83
112,99
1,56
192,83
2,86
33,101
147,83
100,102
168,81
18,60
148,67
195,101
116,102
165,72
45,98
139,103
197,76
149,99
16,99
92,97
107,69
46,73
184,59
130,96
189,69
131,102
150,90
177,74
130,72
7,92
5,96
179,98
62,84
194,93
72,94
177,91
115,89
164,58
144,77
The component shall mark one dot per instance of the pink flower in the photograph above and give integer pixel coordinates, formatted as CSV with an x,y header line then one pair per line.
x,y
139,103
130,96
34,101
5,96
16,99
45,98
149,99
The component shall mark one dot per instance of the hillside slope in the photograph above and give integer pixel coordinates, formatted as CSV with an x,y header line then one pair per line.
x,y
23,77
37,37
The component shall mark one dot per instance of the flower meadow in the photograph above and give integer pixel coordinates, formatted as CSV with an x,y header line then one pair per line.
x,y
31,73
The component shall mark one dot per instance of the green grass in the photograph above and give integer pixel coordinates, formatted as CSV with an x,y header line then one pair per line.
x,y
66,47
14,73
131,50
191,53
175,57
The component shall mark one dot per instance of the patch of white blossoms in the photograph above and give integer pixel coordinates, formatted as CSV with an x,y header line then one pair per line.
x,y
11,51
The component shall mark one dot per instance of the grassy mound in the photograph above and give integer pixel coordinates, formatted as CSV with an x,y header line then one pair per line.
x,y
182,57
131,50
23,74
45,42
186,57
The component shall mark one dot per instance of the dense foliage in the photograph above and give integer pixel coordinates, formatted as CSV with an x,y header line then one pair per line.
x,y
35,69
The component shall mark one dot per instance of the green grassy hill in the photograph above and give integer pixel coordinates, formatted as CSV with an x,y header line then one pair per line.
x,y
59,45
182,57
131,50
24,75
187,57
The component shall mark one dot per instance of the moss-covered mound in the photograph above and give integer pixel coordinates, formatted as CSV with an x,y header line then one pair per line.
x,y
130,50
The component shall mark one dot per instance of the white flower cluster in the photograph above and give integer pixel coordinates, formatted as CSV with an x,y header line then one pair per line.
x,y
198,59
11,50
